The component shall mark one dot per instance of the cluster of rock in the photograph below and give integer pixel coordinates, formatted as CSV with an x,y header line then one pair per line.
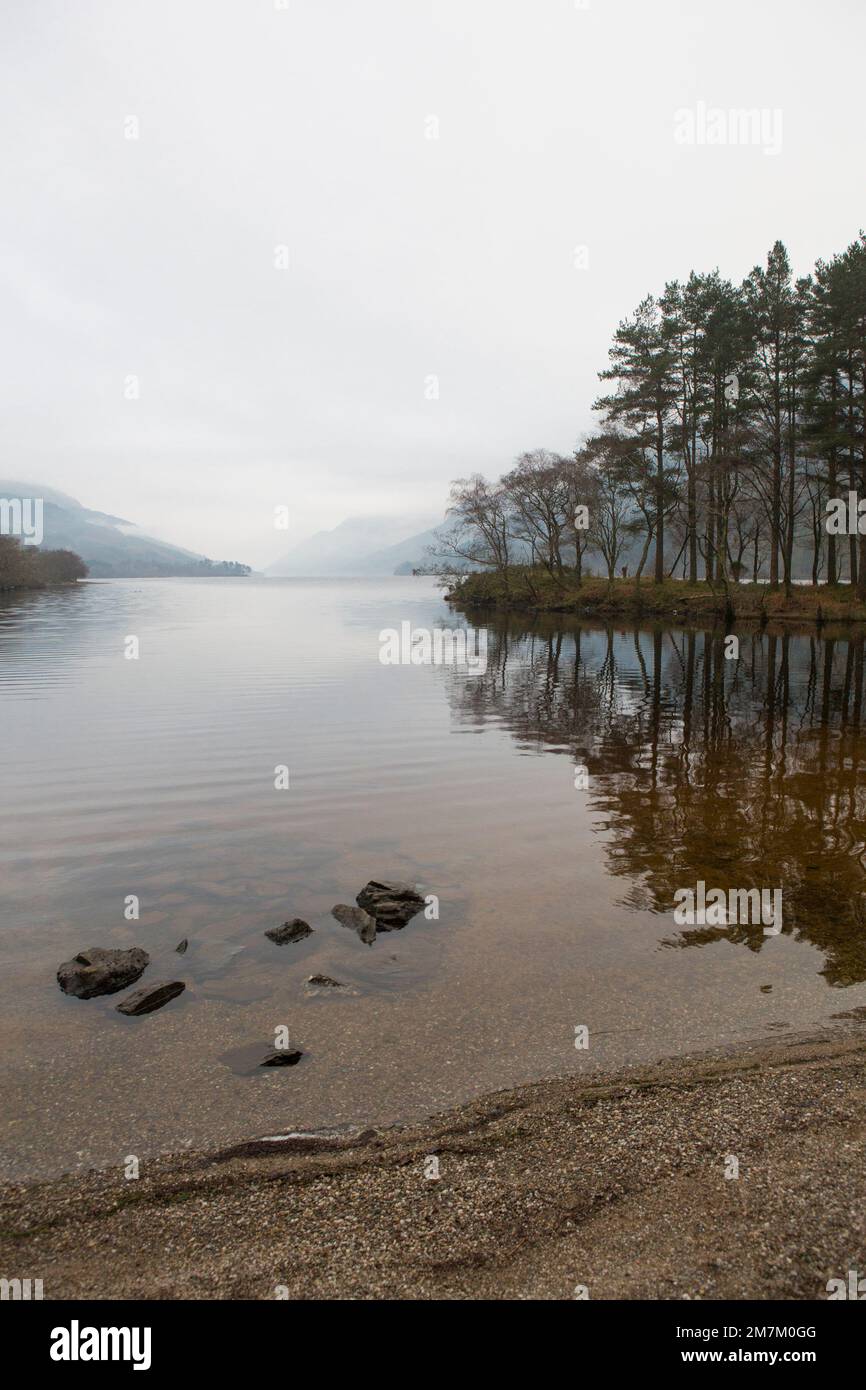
x,y
96,971
383,905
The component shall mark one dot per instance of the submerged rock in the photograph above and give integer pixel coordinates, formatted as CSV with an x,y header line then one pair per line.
x,y
282,1057
150,997
356,919
319,985
98,971
392,903
295,930
337,1138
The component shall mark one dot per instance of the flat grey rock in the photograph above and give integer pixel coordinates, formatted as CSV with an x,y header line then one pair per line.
x,y
357,920
150,997
282,1057
392,902
295,930
98,971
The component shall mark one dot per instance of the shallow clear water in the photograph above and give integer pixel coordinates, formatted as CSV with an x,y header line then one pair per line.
x,y
156,778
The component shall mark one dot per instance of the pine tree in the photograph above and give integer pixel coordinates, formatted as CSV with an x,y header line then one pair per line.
x,y
641,365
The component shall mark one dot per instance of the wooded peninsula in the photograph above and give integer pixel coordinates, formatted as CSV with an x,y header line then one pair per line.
x,y
727,474
26,567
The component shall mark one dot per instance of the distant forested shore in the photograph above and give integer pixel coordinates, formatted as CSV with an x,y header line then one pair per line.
x,y
729,462
26,567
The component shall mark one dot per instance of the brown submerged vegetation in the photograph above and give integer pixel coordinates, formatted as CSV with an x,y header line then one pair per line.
x,y
741,773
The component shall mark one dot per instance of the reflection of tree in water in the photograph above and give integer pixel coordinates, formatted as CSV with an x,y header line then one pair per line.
x,y
746,774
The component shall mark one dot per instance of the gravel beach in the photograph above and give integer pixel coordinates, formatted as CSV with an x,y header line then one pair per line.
x,y
615,1185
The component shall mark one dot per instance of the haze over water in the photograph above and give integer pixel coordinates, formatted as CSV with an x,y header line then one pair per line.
x,y
156,778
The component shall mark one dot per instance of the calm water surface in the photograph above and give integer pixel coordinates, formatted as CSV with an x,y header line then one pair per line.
x,y
156,778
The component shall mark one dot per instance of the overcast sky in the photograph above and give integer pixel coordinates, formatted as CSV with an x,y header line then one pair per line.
x,y
309,125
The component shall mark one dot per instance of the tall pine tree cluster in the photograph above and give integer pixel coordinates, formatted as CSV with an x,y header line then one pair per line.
x,y
733,414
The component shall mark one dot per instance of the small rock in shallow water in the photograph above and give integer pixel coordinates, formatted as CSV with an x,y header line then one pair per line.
x,y
150,997
282,1057
304,1140
295,930
182,945
357,919
342,1136
392,903
322,985
97,971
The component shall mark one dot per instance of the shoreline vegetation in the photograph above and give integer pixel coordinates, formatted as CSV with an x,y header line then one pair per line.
x,y
533,589
26,567
729,446
356,1214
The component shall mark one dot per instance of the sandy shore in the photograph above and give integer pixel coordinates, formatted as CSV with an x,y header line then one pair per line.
x,y
616,1184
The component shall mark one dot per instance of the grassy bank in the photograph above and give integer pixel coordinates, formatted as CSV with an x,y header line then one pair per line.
x,y
533,590
33,586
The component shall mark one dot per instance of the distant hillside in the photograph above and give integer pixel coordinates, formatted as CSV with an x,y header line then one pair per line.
x,y
360,545
413,553
111,547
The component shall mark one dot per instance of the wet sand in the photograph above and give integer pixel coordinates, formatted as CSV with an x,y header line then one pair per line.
x,y
615,1184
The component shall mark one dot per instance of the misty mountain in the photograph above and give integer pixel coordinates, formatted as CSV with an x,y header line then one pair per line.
x,y
402,558
110,546
360,545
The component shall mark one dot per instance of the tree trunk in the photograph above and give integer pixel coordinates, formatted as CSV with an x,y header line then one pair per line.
x,y
831,484
658,577
692,522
